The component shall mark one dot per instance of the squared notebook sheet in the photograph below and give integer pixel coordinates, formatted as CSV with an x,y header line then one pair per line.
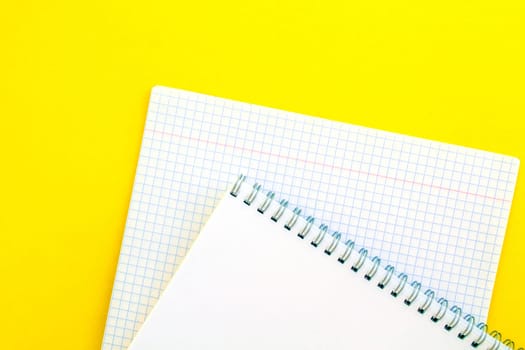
x,y
436,211
248,282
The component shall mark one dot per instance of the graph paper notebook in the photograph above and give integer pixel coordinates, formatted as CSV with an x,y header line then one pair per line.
x,y
436,211
261,277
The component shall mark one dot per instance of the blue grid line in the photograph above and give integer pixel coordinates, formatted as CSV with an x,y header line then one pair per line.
x,y
474,212
335,148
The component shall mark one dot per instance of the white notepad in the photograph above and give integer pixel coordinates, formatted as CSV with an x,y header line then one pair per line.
x,y
250,282
436,211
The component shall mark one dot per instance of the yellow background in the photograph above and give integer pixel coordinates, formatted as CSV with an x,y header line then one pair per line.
x,y
74,85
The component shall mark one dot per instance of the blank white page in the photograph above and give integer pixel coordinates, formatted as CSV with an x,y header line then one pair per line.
x,y
436,211
248,283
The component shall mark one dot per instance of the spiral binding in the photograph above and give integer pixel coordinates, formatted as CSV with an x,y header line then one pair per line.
x,y
318,238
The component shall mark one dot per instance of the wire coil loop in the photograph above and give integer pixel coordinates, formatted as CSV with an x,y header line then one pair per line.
x,y
361,260
386,280
333,245
373,270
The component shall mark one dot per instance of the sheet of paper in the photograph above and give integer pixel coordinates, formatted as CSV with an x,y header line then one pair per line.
x,y
436,211
248,283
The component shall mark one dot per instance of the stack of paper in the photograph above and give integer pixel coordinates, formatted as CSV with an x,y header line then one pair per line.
x,y
437,212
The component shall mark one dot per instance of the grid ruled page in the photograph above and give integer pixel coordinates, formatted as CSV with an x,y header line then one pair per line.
x,y
435,211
